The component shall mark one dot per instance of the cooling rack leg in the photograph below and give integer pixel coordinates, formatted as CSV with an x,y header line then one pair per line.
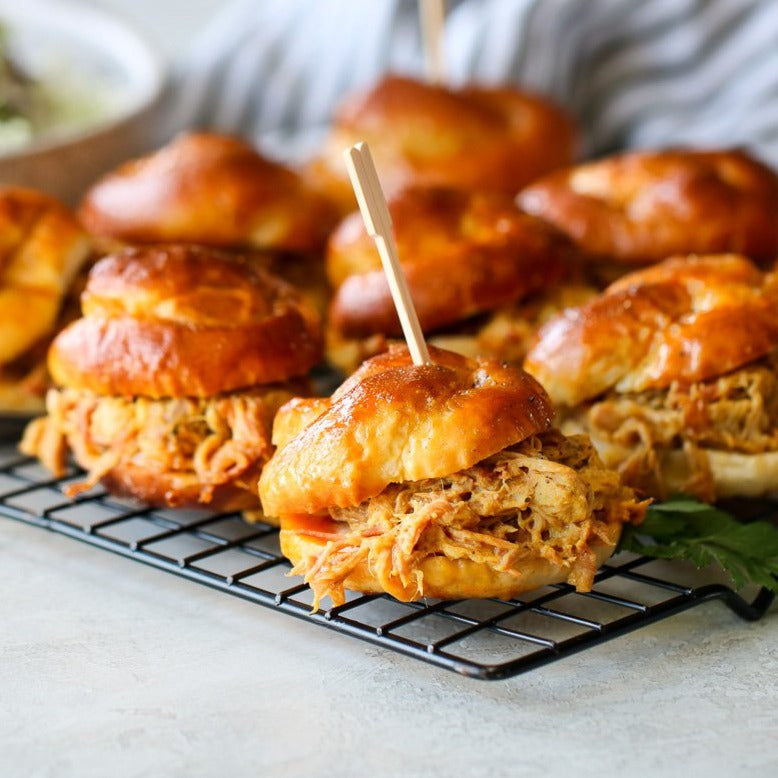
x,y
750,611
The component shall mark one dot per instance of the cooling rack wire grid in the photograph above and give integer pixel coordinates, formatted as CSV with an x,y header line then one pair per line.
x,y
485,639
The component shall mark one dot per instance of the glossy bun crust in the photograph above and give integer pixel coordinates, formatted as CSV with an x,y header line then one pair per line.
x,y
42,248
641,207
471,138
462,252
687,319
392,421
304,537
208,189
184,321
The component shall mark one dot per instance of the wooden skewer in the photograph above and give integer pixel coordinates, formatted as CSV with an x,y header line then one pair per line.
x,y
432,14
378,223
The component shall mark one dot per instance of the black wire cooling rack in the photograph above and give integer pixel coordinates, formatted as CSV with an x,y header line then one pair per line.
x,y
486,639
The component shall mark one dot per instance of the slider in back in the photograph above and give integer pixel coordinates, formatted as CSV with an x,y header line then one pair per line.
x,y
43,253
673,373
482,275
470,138
168,384
638,208
215,190
444,480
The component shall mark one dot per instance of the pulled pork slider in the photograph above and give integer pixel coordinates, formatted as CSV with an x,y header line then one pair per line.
x,y
170,381
672,372
481,274
42,251
639,208
215,190
429,135
445,480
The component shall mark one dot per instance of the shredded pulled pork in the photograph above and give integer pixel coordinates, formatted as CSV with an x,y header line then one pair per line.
x,y
207,441
737,412
509,332
505,333
546,498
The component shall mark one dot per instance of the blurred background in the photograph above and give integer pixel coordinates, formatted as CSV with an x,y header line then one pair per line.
x,y
169,24
636,74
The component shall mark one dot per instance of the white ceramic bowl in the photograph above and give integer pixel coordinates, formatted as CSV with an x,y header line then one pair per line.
x,y
98,47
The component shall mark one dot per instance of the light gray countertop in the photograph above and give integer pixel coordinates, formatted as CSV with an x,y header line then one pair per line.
x,y
111,667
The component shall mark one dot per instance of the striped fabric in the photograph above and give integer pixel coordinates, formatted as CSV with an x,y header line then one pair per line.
x,y
637,73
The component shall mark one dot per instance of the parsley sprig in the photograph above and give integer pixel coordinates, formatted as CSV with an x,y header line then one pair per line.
x,y
684,528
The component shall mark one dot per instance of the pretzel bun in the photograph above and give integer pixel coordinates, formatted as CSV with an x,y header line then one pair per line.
x,y
687,319
208,189
641,207
489,253
177,490
304,537
184,321
393,421
42,249
470,138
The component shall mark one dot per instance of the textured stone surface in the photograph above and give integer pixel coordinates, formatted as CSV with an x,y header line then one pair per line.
x,y
110,667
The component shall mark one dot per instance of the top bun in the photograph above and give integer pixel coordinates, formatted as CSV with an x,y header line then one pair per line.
x,y
470,138
208,189
393,421
641,207
184,321
490,253
41,250
687,319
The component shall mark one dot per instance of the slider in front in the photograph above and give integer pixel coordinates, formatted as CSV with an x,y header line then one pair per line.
x,y
442,480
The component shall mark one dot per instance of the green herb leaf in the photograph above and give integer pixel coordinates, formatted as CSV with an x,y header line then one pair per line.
x,y
684,528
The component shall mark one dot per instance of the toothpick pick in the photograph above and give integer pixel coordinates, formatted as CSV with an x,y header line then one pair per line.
x,y
378,224
432,14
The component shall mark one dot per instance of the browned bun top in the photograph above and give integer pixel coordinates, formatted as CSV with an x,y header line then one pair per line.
x,y
393,421
208,189
184,321
42,248
641,207
471,138
687,319
462,253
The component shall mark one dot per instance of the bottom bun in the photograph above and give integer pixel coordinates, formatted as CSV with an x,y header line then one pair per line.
x,y
304,538
709,474
180,490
